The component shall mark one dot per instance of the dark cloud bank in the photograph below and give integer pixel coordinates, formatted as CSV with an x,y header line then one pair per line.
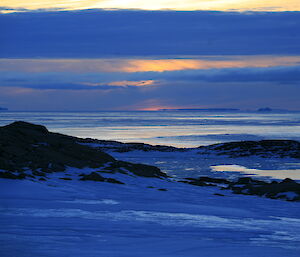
x,y
73,81
97,33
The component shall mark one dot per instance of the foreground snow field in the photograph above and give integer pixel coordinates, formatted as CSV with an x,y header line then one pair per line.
x,y
144,217
52,206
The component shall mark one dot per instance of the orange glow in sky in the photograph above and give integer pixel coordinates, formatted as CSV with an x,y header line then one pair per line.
x,y
221,5
144,65
123,83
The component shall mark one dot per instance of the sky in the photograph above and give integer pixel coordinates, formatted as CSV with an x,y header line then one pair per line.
x,y
188,5
134,55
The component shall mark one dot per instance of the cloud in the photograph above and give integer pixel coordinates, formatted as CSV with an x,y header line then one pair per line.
x,y
273,74
148,80
140,64
59,86
101,60
239,5
98,33
248,95
124,83
43,83
277,87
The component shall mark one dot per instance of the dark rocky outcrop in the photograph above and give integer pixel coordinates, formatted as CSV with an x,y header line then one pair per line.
x,y
213,180
218,194
65,178
134,168
11,175
271,190
25,146
263,148
205,181
115,146
287,189
264,109
94,176
195,182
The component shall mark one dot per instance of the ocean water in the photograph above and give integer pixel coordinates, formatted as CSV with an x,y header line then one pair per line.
x,y
176,128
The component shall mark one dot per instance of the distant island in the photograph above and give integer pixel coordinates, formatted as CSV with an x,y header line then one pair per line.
x,y
3,109
205,110
266,109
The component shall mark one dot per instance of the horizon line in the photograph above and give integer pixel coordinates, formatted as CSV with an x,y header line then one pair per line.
x,y
7,10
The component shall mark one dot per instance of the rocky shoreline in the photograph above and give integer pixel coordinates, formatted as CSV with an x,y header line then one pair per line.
x,y
29,151
286,189
262,148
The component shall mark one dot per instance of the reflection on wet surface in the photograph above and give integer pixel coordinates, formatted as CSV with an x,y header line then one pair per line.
x,y
278,174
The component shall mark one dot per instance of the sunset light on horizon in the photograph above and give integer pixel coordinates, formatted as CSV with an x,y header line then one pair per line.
x,y
139,64
139,55
189,5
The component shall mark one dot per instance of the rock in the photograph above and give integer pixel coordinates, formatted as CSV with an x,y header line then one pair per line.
x,y
287,189
138,169
213,180
127,147
65,178
266,109
205,181
10,175
270,190
38,173
287,185
263,148
249,180
52,167
287,181
26,146
93,176
195,182
219,194
114,181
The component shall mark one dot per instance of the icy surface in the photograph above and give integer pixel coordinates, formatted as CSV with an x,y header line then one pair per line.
x,y
279,174
58,218
192,164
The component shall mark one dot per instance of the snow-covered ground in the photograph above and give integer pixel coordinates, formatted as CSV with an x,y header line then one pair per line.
x,y
193,164
146,216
